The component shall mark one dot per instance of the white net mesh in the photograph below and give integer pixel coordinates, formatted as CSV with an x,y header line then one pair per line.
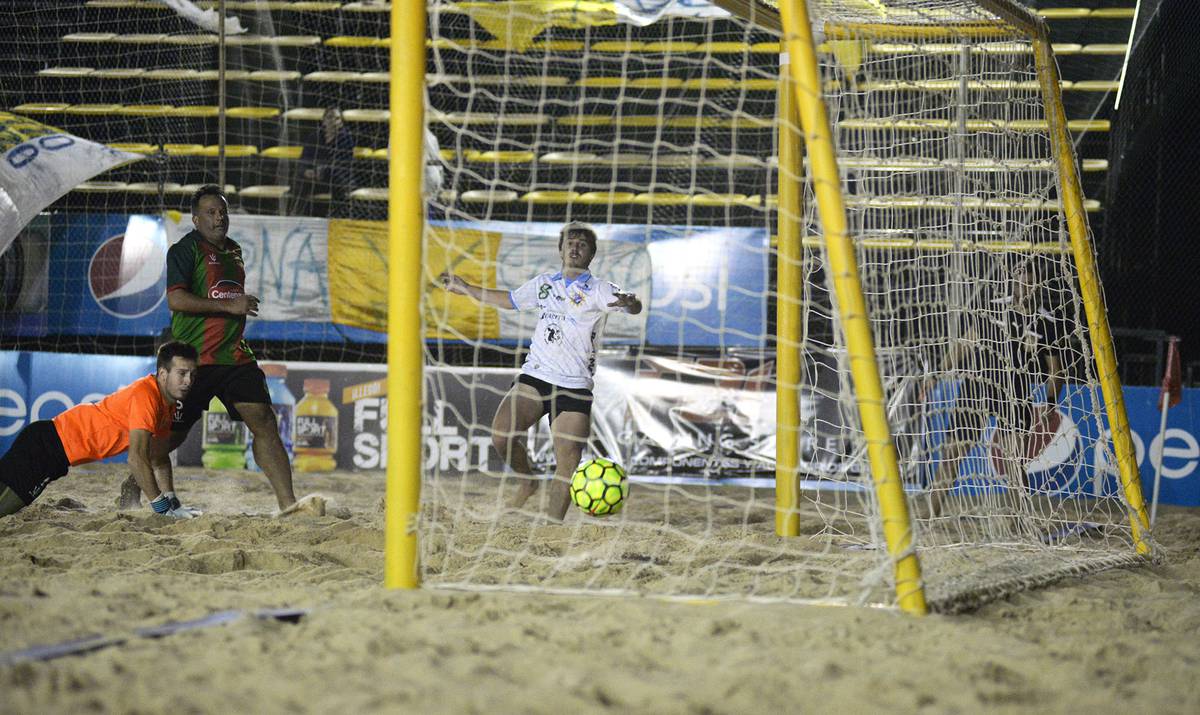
x,y
952,192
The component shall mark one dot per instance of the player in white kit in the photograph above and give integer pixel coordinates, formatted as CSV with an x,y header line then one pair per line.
x,y
556,378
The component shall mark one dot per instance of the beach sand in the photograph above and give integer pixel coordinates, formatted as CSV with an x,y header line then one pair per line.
x,y
72,566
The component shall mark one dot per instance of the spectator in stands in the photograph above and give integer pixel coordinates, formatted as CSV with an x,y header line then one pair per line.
x,y
331,167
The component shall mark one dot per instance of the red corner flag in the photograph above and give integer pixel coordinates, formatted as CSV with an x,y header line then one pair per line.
x,y
1172,384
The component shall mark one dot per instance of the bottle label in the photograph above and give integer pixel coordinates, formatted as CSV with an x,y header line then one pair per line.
x,y
221,430
317,432
283,418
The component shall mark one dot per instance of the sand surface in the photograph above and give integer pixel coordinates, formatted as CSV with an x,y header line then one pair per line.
x,y
72,566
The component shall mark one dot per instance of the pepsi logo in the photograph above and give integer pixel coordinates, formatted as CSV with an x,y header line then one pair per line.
x,y
127,273
225,290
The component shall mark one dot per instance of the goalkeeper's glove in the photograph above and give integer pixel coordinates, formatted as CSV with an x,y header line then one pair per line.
x,y
176,505
162,505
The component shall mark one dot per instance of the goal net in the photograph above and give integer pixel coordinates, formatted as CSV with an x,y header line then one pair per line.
x,y
666,136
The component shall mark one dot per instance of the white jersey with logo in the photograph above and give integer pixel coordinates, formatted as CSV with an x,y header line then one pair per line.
x,y
573,311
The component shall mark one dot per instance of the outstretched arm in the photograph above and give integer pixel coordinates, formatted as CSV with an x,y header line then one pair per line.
x,y
491,296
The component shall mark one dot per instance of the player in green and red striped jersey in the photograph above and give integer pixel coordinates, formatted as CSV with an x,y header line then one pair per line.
x,y
209,307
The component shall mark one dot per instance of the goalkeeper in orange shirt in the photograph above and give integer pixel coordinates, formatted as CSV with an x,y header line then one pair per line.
x,y
136,418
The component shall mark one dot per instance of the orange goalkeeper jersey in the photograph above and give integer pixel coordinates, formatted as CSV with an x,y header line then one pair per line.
x,y
97,431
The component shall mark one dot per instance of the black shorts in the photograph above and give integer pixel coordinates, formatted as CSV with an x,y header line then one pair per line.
x,y
229,383
557,400
35,459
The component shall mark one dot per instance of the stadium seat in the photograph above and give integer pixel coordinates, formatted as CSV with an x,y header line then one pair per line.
x,y
661,199
304,114
252,112
196,110
146,110
264,192
550,197
1113,13
498,157
606,198
168,73
622,47
88,37
370,194
622,83
463,119
366,115
722,48
1064,13
1097,85
488,196
101,187
232,151
1105,49
152,188
352,42
188,189
273,76
90,109
40,108
119,73
66,72
626,160
134,147
272,41
719,200
568,158
330,76
670,47
733,161
709,84
283,152
183,149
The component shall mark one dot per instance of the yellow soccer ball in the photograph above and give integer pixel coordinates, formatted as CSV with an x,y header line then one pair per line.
x,y
599,487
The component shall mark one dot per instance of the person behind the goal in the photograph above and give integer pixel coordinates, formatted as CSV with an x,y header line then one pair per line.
x,y
556,377
1007,348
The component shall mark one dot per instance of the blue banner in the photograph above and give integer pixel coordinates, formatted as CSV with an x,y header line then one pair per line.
x,y
107,276
1068,459
38,386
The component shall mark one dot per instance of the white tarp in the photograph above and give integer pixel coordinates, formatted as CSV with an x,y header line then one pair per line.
x,y
645,12
40,164
206,19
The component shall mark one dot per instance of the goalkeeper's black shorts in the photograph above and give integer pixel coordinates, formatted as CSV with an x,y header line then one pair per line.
x,y
35,459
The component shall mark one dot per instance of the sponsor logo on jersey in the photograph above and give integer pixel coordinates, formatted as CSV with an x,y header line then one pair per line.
x,y
225,290
127,276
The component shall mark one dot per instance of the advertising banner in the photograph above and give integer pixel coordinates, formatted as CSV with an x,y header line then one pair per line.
x,y
674,418
38,386
707,286
327,281
41,164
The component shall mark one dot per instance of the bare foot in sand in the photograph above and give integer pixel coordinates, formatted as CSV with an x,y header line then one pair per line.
x,y
312,505
526,489
131,495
